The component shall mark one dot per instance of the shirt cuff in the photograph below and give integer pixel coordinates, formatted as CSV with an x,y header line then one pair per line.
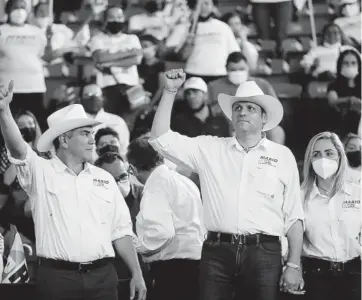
x,y
291,222
163,142
122,232
21,162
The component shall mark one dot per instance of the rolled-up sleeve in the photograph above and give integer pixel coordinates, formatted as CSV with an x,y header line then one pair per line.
x,y
180,149
28,169
122,223
292,207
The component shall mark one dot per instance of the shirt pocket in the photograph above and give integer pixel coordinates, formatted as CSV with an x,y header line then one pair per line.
x,y
351,220
265,182
102,207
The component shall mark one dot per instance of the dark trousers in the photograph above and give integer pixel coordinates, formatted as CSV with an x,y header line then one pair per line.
x,y
240,272
322,284
97,284
175,279
280,13
34,102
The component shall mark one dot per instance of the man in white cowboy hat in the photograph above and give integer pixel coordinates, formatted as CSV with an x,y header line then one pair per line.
x,y
77,208
250,191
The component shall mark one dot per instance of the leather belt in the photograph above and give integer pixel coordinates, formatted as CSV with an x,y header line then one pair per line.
x,y
320,265
74,266
249,239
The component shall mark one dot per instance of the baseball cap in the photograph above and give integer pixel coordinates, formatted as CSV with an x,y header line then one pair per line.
x,y
195,83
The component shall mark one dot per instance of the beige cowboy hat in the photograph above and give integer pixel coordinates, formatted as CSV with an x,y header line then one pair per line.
x,y
249,91
68,118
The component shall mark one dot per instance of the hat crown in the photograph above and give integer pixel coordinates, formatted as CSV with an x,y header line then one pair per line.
x,y
70,112
195,83
248,89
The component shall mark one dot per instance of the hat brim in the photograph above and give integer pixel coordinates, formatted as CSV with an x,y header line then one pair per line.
x,y
45,142
272,106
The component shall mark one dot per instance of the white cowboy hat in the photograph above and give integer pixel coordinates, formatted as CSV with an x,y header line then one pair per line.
x,y
68,118
249,91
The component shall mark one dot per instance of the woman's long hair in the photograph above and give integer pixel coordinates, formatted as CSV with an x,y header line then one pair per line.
x,y
37,127
308,171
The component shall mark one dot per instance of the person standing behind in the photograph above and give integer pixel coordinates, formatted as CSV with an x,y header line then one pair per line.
x,y
117,55
251,195
352,146
23,47
332,240
78,209
169,225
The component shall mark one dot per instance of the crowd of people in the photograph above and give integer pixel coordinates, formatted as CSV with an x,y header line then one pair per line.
x,y
148,182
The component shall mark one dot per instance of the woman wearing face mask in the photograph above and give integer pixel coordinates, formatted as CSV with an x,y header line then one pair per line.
x,y
352,145
23,47
344,93
332,238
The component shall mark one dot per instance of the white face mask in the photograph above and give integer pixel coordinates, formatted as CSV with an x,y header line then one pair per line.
x,y
124,187
43,22
351,10
349,72
18,16
325,167
238,77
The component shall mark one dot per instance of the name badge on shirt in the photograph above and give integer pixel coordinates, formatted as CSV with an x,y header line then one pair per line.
x,y
270,161
351,204
100,183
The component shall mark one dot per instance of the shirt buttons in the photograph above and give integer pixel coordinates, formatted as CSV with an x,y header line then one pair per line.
x,y
272,196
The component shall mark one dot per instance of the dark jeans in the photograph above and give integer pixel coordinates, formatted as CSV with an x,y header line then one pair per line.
x,y
330,285
98,284
240,272
33,102
175,279
280,13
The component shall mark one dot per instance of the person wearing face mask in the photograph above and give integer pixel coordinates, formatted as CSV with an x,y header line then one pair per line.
x,y
116,55
152,22
92,101
332,239
169,225
352,145
23,48
237,73
344,93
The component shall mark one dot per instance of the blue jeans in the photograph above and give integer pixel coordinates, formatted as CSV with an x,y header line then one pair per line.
x,y
240,272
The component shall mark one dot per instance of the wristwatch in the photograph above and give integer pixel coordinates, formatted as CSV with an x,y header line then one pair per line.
x,y
293,266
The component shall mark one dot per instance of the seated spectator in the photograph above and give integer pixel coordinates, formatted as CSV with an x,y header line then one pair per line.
x,y
152,22
23,47
320,62
206,51
92,101
349,19
116,55
62,96
192,114
344,93
238,72
241,34
352,145
151,70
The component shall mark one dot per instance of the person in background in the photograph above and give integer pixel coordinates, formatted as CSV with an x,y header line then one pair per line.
x,y
62,96
239,72
23,47
206,51
169,225
352,146
278,11
332,238
193,116
152,68
92,101
107,140
241,34
344,93
251,195
320,62
152,22
116,55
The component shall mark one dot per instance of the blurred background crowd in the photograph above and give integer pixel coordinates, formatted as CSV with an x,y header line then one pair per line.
x,y
110,56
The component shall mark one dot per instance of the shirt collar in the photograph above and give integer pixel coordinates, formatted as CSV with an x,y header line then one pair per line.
x,y
155,173
346,188
262,143
60,167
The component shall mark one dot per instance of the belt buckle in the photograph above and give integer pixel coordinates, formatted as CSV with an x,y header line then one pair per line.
x,y
235,239
81,267
336,266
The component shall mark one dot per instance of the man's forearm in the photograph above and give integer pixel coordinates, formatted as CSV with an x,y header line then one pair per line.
x,y
106,57
125,248
124,62
295,242
162,119
12,136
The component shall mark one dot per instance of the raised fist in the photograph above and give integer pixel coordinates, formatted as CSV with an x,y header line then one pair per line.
x,y
174,79
6,95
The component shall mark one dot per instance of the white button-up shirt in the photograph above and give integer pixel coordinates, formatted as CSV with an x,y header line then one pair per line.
x,y
170,224
333,226
76,217
243,192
